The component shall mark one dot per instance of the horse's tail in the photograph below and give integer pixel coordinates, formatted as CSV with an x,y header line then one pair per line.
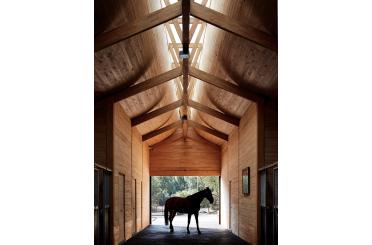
x,y
166,212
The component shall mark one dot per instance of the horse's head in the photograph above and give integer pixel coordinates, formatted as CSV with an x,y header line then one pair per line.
x,y
208,195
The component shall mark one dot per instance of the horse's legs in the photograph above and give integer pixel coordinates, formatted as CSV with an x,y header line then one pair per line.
x,y
197,221
188,222
171,217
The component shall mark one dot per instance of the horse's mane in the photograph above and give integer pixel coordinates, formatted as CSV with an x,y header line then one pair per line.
x,y
196,195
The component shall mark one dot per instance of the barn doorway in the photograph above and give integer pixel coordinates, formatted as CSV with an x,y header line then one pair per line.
x,y
164,187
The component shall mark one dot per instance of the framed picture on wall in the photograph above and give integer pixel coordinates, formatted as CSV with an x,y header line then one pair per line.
x,y
246,181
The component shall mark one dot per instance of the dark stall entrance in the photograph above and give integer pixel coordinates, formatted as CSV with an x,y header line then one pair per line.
x,y
102,205
163,187
269,205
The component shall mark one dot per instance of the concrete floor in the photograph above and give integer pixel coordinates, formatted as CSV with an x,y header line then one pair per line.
x,y
205,220
160,235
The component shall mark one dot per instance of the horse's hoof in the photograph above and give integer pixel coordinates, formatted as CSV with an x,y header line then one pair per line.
x,y
188,232
199,232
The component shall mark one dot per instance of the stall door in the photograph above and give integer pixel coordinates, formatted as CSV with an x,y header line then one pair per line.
x,y
269,206
102,206
263,209
275,216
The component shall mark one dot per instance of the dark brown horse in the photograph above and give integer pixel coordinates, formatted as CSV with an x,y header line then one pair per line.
x,y
189,205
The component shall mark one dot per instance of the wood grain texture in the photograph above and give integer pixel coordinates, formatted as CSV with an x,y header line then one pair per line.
x,y
146,186
143,86
209,130
225,85
189,157
234,26
122,165
239,152
130,29
137,170
148,116
270,135
100,136
130,159
248,157
227,118
161,130
234,176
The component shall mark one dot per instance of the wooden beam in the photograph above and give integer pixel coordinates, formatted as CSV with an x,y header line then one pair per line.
x,y
197,40
234,26
185,49
143,86
179,45
227,118
185,25
220,83
161,130
147,116
130,29
214,132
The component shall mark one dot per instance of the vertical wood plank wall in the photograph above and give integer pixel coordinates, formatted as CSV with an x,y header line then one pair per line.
x,y
146,186
271,134
128,155
224,186
122,164
239,152
101,134
137,173
187,157
248,157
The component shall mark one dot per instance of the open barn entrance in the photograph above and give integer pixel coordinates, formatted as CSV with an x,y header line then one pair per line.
x,y
164,187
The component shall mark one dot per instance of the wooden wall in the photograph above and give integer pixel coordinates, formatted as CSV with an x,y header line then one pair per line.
x,y
230,176
271,134
122,165
146,186
248,157
225,214
239,152
103,135
190,157
128,155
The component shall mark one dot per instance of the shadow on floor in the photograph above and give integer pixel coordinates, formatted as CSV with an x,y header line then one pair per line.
x,y
159,235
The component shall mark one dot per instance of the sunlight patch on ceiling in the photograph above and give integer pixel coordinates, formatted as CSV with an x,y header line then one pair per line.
x,y
173,31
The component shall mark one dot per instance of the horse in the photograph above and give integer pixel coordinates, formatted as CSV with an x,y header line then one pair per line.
x,y
189,205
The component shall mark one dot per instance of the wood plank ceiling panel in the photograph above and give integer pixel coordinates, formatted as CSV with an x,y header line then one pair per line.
x,y
133,61
238,60
222,54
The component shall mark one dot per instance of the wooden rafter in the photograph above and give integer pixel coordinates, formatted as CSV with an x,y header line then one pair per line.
x,y
209,130
225,85
143,86
234,26
179,45
148,116
200,107
227,118
130,29
197,40
161,130
185,61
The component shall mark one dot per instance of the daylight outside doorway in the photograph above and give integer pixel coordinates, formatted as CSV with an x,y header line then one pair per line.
x,y
164,187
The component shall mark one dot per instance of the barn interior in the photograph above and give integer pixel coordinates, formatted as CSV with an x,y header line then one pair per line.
x,y
185,88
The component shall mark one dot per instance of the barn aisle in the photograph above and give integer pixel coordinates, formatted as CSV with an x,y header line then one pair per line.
x,y
159,235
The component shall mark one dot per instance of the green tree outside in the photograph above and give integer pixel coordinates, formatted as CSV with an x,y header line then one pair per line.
x,y
164,187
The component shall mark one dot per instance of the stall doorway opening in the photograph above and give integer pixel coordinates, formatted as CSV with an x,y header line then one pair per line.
x,y
164,187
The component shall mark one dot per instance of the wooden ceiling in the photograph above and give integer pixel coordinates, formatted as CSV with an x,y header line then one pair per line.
x,y
232,50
